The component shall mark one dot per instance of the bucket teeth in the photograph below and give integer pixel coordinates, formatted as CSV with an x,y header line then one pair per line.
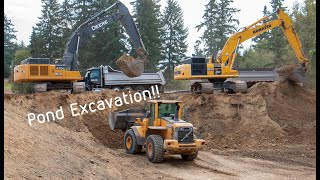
x,y
130,66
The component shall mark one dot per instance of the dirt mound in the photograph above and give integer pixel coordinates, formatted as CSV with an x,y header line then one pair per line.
x,y
84,147
270,114
94,123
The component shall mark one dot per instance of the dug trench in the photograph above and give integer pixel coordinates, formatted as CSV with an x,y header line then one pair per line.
x,y
268,132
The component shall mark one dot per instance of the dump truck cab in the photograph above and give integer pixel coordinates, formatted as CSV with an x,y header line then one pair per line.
x,y
159,129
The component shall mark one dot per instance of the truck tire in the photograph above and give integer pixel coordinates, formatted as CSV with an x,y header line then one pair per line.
x,y
127,88
130,143
189,157
116,88
139,88
154,148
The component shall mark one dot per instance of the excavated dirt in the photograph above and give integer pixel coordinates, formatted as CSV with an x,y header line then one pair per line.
x,y
270,132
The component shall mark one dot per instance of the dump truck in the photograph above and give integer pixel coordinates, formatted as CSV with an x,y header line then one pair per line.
x,y
159,129
106,77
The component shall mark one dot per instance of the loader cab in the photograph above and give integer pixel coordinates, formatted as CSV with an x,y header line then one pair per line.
x,y
167,110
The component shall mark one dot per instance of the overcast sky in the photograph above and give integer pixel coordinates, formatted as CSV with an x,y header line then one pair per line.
x,y
24,14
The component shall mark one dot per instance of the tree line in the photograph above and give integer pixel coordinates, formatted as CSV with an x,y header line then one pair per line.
x,y
163,33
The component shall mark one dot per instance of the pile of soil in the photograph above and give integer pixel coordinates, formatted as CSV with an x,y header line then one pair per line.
x,y
270,114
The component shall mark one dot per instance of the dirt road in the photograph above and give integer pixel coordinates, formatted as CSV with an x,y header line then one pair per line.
x,y
254,142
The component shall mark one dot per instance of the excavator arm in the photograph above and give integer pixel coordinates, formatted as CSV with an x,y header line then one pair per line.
x,y
132,68
228,53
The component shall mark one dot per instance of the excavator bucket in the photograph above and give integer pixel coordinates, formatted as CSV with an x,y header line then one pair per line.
x,y
292,73
130,66
124,119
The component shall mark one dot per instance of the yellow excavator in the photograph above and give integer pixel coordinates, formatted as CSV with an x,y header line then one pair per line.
x,y
221,75
64,74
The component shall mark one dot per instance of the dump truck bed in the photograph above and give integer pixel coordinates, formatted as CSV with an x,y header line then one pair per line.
x,y
114,77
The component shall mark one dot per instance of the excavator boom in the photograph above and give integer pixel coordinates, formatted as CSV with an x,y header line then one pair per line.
x,y
284,21
132,67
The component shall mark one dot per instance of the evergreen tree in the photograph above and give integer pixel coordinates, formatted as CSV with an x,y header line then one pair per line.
x,y
304,17
197,49
219,23
264,35
147,17
277,42
47,33
66,21
9,44
174,37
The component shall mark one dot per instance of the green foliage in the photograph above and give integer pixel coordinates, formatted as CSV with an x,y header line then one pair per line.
x,y
46,36
22,88
174,38
147,16
20,55
173,85
262,36
219,23
311,73
259,58
197,49
9,44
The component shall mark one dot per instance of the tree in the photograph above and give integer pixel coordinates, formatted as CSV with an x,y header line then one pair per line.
x,y
20,55
264,35
304,16
9,44
277,42
174,37
147,16
219,23
197,49
46,36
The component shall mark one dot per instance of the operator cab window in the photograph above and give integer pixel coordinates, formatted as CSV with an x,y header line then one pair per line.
x,y
168,110
95,75
151,116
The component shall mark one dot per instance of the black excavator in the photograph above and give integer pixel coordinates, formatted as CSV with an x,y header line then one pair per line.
x,y
130,66
64,73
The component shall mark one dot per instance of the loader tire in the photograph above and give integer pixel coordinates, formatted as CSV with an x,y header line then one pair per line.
x,y
154,148
189,157
130,143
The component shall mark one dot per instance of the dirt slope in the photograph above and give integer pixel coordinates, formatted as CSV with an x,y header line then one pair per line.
x,y
267,133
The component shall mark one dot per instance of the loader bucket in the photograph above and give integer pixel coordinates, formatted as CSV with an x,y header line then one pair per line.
x,y
124,119
292,73
130,66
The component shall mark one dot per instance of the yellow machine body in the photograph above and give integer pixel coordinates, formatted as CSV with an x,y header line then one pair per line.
x,y
165,130
226,58
44,72
183,72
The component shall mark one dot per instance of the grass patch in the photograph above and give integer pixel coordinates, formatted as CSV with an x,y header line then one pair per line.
x,y
7,86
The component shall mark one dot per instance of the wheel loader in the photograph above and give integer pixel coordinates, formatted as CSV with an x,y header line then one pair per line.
x,y
158,129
